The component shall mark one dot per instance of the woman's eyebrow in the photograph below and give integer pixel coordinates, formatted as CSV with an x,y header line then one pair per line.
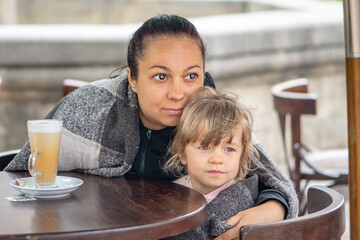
x,y
160,66
191,67
167,69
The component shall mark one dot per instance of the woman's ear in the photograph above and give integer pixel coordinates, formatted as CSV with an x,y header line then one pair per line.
x,y
132,81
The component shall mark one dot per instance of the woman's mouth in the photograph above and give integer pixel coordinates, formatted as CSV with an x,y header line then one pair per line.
x,y
174,111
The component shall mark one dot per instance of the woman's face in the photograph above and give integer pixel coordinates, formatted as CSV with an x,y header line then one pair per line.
x,y
170,71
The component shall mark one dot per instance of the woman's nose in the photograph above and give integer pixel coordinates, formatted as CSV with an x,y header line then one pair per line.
x,y
176,90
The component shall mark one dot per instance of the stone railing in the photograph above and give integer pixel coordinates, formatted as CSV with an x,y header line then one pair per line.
x,y
116,11
247,53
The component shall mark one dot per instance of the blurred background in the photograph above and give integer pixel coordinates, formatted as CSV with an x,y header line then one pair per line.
x,y
251,45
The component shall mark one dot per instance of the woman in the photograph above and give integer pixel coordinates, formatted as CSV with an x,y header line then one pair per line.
x,y
123,125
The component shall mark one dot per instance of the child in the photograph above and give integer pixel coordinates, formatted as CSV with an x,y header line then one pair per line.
x,y
210,153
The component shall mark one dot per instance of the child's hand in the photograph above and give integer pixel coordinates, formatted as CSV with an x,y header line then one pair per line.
x,y
271,211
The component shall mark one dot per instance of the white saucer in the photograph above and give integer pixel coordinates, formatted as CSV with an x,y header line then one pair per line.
x,y
62,188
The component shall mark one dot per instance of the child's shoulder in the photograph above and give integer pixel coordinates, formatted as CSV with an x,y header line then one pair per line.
x,y
185,181
242,188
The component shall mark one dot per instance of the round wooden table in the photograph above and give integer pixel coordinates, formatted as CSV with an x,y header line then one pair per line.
x,y
102,208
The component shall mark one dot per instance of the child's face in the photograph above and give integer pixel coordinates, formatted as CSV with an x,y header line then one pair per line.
x,y
212,166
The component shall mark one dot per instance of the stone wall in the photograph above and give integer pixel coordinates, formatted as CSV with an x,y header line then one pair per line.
x,y
247,53
115,11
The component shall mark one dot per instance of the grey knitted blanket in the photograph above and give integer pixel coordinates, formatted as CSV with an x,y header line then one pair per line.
x,y
101,136
238,197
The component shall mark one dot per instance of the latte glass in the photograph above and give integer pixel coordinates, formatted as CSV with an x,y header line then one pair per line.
x,y
44,138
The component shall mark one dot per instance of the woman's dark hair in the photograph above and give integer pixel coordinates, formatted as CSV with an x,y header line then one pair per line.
x,y
162,25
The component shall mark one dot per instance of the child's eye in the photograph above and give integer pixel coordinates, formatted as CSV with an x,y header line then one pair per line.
x,y
192,76
230,149
204,148
160,77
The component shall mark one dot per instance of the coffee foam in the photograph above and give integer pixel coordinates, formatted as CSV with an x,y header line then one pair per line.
x,y
44,126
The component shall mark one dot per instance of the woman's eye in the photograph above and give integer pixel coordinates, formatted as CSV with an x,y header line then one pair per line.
x,y
160,77
192,76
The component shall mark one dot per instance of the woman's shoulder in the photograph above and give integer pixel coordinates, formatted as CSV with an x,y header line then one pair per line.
x,y
98,91
91,100
110,84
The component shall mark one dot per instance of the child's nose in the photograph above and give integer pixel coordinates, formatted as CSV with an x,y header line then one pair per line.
x,y
216,157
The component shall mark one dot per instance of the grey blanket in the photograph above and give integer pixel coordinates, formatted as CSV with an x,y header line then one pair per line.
x,y
101,136
238,197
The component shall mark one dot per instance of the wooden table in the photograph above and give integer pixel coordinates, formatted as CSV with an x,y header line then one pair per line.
x,y
102,208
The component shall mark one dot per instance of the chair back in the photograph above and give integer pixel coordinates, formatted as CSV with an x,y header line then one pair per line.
x,y
6,157
291,100
325,220
70,85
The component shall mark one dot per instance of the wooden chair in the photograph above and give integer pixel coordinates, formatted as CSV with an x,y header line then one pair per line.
x,y
70,85
6,157
325,221
292,100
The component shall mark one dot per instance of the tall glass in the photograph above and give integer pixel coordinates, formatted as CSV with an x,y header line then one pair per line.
x,y
44,138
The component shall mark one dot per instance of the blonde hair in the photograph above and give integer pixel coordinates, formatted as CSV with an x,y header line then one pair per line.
x,y
213,115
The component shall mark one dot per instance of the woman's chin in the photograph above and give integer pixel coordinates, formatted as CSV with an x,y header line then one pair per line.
x,y
172,122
